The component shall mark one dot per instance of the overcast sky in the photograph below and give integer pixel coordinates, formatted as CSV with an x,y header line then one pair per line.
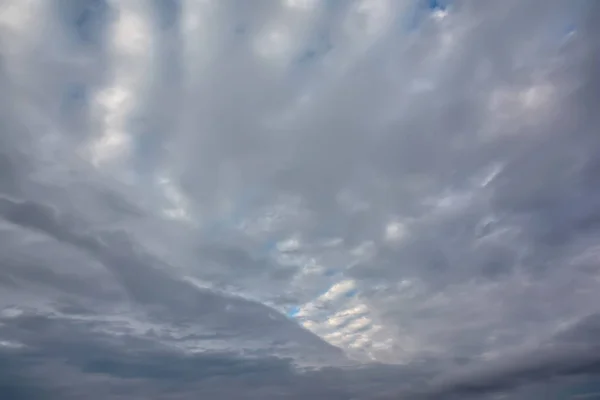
x,y
299,199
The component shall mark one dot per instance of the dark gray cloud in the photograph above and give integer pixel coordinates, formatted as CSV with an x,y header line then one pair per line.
x,y
327,199
573,352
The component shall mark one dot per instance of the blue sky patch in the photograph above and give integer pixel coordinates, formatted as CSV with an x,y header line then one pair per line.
x,y
292,312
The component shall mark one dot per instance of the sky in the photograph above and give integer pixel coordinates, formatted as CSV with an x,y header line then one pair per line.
x,y
299,199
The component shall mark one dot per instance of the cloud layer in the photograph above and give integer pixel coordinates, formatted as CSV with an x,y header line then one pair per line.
x,y
304,198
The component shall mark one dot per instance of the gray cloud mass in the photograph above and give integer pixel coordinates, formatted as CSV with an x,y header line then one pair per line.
x,y
292,199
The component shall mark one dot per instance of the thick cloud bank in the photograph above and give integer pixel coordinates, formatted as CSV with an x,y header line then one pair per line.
x,y
325,199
